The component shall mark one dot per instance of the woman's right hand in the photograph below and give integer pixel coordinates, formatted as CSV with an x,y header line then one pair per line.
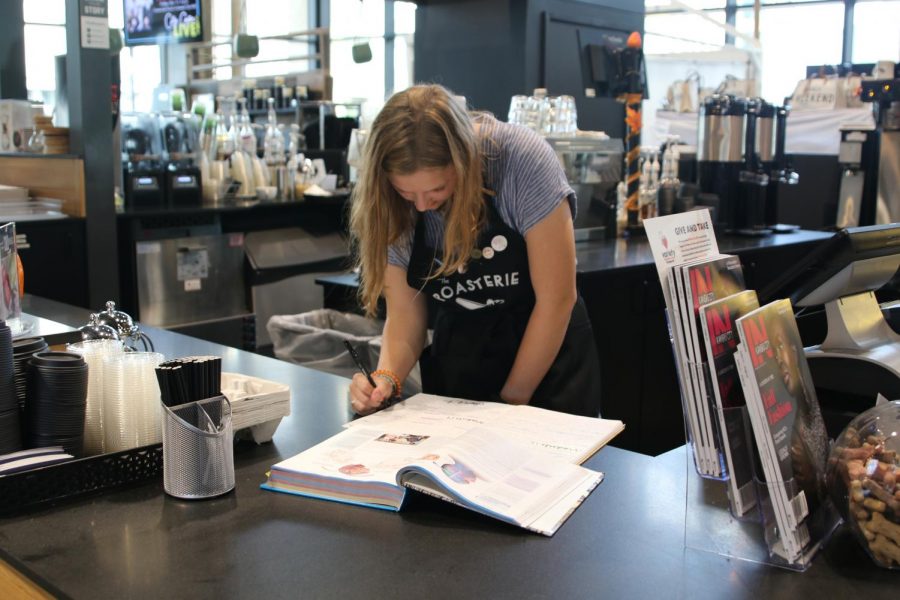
x,y
364,398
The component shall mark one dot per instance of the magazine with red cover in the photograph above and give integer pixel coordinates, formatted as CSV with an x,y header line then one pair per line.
x,y
785,414
720,338
701,447
702,282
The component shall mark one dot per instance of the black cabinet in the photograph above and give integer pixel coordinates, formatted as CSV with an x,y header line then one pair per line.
x,y
54,259
621,289
490,50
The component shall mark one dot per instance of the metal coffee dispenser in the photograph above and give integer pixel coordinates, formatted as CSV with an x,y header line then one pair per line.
x,y
741,160
720,154
749,214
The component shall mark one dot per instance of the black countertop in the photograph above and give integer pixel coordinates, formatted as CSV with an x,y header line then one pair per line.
x,y
626,540
622,253
235,205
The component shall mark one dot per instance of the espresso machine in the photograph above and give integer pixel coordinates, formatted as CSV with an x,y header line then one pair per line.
x,y
593,167
870,184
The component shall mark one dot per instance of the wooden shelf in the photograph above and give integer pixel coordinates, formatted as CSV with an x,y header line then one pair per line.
x,y
30,155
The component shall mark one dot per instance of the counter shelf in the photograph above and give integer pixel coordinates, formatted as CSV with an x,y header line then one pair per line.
x,y
710,523
710,526
693,378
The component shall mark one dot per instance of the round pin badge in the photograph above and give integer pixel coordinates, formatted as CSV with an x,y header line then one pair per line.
x,y
488,253
499,243
475,253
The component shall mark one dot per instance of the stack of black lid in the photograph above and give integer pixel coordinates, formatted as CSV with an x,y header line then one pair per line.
x,y
10,432
57,396
23,350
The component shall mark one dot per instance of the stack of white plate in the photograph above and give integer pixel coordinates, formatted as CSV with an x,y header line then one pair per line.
x,y
95,352
131,401
257,405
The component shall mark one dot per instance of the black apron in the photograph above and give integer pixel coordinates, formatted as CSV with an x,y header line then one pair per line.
x,y
479,318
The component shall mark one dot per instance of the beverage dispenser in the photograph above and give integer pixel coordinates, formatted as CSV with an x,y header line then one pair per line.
x,y
720,153
749,211
777,164
741,159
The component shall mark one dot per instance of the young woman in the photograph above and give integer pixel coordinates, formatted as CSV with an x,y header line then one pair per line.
x,y
464,224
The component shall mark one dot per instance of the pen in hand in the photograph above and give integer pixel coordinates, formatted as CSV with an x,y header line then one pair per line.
x,y
359,363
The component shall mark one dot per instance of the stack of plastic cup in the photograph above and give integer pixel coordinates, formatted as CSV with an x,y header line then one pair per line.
x,y
23,350
95,352
131,399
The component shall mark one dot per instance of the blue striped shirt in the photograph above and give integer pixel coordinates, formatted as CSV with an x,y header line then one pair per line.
x,y
524,172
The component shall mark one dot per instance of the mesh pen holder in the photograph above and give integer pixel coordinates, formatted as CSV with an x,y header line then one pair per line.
x,y
198,456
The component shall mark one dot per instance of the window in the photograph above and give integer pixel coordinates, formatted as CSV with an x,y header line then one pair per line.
x,y
792,38
139,68
278,17
666,33
45,38
876,31
358,22
47,12
650,5
221,32
404,29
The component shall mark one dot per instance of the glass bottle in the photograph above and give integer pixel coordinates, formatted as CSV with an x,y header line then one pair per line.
x,y
278,91
296,144
37,141
224,140
274,139
245,130
274,151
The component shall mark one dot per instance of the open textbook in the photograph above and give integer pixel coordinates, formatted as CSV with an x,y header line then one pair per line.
x,y
519,464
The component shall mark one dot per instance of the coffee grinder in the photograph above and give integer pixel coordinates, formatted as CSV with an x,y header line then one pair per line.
x,y
870,184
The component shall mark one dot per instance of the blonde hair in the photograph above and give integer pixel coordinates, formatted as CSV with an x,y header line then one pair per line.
x,y
419,128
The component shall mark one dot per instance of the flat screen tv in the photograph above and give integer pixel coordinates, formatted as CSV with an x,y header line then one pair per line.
x,y
162,22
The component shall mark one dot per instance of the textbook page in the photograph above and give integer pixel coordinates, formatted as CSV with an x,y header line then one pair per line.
x,y
503,479
567,437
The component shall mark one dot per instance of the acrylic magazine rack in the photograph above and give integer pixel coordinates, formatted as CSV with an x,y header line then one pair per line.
x,y
743,520
701,431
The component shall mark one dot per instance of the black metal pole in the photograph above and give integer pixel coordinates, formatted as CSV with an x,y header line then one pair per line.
x,y
12,52
89,89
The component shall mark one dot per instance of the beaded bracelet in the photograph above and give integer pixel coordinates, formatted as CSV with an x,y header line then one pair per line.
x,y
389,375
